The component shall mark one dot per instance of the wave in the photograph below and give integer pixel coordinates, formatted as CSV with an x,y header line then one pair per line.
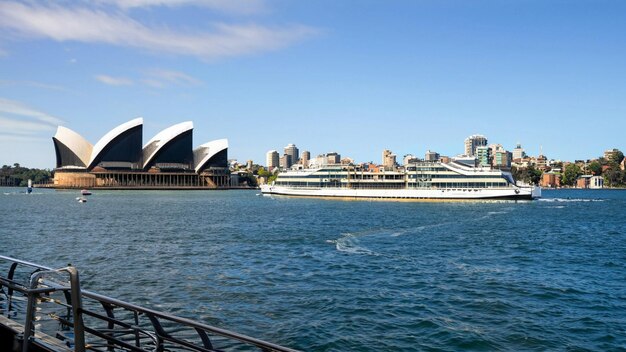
x,y
349,243
569,200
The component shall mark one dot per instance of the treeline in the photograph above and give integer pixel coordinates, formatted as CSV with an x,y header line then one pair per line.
x,y
18,175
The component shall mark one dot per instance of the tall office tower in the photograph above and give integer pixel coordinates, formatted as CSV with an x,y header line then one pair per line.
x,y
306,156
292,151
473,142
272,159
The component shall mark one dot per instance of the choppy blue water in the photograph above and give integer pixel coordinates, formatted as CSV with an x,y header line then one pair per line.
x,y
326,275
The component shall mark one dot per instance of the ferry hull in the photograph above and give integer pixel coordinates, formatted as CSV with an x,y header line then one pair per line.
x,y
407,194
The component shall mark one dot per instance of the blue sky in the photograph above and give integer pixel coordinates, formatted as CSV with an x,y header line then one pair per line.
x,y
354,77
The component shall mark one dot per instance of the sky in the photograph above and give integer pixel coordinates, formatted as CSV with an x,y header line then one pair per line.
x,y
353,77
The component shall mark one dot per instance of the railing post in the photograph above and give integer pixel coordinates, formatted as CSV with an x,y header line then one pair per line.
x,y
77,306
29,328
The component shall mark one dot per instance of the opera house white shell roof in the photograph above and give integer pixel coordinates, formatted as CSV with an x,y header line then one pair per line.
x,y
75,143
208,150
74,151
158,142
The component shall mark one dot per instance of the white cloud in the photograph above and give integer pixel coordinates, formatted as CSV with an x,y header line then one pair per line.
x,y
21,126
228,6
18,127
4,82
91,25
160,78
114,81
16,108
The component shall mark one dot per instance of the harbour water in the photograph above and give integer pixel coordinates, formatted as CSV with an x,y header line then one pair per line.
x,y
329,275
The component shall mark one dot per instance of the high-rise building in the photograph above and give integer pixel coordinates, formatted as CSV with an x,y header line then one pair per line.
x,y
292,151
502,158
389,159
285,161
483,154
613,155
473,142
333,158
518,152
272,159
306,156
431,156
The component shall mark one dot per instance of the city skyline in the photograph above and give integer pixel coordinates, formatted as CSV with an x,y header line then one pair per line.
x,y
405,76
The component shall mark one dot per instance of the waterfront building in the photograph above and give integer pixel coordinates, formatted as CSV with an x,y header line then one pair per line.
x,y
474,141
518,152
292,151
590,181
596,182
583,181
431,156
272,159
483,154
306,157
550,180
118,159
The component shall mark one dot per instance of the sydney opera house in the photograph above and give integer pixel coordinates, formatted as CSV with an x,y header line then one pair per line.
x,y
119,160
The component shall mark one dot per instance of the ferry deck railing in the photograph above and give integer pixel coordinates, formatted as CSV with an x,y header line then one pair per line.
x,y
51,299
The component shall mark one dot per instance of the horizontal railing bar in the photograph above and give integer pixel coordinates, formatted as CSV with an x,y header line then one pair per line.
x,y
264,345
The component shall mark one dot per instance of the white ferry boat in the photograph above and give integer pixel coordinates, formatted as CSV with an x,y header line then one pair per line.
x,y
416,181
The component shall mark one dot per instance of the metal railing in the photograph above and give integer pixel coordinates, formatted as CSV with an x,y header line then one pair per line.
x,y
45,298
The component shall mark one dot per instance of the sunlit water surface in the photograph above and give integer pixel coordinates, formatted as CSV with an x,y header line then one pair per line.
x,y
325,275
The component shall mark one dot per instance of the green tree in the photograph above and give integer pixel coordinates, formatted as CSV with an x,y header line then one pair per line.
x,y
616,157
262,172
570,174
613,177
528,175
595,168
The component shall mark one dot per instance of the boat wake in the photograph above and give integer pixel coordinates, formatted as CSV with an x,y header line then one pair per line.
x,y
349,243
566,200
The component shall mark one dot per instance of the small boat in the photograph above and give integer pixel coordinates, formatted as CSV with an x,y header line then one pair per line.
x,y
29,189
82,200
85,192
